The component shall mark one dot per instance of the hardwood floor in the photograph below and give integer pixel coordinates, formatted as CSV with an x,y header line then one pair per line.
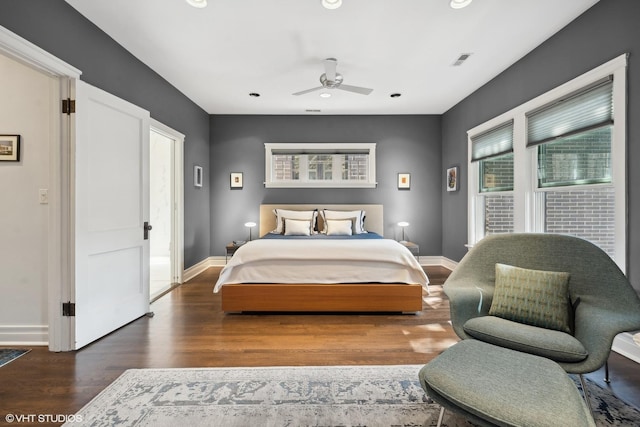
x,y
189,330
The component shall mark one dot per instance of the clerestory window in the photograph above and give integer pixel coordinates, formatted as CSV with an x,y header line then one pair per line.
x,y
291,165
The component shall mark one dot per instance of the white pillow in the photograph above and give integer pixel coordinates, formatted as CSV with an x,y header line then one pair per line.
x,y
358,224
282,214
339,227
297,227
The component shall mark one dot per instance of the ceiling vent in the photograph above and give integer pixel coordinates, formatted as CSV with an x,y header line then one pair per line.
x,y
463,57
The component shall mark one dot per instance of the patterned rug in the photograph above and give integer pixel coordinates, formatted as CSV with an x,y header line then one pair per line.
x,y
299,396
8,355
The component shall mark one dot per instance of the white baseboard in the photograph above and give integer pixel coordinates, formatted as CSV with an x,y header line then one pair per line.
x,y
217,261
626,346
448,263
194,270
430,261
24,335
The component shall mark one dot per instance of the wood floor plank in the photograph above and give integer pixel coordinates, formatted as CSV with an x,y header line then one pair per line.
x,y
190,330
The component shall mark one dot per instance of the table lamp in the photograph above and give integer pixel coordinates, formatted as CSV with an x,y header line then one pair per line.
x,y
250,225
403,224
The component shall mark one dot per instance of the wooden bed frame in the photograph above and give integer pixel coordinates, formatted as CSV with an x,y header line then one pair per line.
x,y
310,297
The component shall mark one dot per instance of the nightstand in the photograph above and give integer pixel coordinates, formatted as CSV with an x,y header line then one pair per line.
x,y
231,249
414,248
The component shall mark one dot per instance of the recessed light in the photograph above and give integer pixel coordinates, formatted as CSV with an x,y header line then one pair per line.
x,y
331,4
254,94
459,4
395,95
325,95
197,3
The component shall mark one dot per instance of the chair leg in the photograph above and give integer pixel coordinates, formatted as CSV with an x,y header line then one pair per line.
x,y
440,417
606,372
585,392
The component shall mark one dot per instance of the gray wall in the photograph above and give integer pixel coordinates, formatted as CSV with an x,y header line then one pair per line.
x,y
608,29
56,27
404,144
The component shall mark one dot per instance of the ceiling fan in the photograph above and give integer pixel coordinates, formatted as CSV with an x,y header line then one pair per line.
x,y
330,79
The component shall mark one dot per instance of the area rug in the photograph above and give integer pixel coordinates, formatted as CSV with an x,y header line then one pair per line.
x,y
8,355
298,396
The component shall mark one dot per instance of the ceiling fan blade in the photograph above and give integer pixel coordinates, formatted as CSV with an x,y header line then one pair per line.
x,y
355,89
308,90
330,68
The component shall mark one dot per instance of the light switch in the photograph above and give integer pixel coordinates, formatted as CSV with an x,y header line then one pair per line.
x,y
43,194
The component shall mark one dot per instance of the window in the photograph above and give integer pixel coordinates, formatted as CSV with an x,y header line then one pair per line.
x,y
573,136
576,160
493,152
320,165
568,154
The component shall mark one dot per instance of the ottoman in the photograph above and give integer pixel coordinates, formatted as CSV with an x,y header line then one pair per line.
x,y
492,385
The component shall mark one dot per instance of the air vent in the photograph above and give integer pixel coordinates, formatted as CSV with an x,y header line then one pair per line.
x,y
463,57
313,111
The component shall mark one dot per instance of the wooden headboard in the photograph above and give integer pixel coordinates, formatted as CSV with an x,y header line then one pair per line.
x,y
374,219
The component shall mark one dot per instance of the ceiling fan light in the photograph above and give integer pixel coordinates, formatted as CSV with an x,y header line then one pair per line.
x,y
197,3
459,4
325,95
331,4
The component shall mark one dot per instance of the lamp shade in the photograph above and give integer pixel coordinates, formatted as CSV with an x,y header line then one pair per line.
x,y
403,224
331,4
459,4
198,3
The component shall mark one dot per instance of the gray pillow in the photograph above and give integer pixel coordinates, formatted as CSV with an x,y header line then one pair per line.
x,y
533,297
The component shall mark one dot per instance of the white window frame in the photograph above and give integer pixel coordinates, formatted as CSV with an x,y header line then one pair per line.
x,y
527,210
320,148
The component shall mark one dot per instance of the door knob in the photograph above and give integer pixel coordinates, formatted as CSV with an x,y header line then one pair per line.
x,y
147,227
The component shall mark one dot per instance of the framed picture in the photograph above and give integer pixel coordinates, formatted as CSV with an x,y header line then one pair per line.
x,y
452,178
197,176
404,181
9,148
236,179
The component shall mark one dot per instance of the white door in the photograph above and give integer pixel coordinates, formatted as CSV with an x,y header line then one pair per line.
x,y
111,208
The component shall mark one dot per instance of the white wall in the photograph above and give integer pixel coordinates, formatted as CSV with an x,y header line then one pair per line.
x,y
27,96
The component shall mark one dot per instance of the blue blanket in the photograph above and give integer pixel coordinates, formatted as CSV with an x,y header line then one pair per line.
x,y
366,236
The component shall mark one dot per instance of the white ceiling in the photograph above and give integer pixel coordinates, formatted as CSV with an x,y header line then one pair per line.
x,y
218,55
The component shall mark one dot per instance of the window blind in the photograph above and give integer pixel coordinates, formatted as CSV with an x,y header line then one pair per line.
x,y
492,143
588,109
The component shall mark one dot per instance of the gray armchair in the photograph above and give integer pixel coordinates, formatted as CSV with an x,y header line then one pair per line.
x,y
603,302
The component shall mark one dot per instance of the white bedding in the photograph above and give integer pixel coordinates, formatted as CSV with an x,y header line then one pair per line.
x,y
323,261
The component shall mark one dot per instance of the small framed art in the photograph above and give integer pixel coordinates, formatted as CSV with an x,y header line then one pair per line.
x,y
452,178
197,176
9,148
404,181
236,179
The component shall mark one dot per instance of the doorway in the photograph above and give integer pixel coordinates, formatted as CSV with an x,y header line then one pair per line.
x,y
165,190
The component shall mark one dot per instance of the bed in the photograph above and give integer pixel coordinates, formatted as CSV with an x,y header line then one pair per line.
x,y
319,272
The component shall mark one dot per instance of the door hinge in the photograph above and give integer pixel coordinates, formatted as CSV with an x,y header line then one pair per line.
x,y
68,309
68,106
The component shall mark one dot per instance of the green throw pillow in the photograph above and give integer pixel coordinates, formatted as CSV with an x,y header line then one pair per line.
x,y
534,297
